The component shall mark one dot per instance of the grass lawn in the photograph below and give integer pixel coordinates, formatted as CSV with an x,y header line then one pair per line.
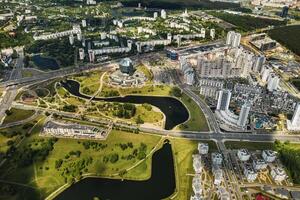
x,y
3,143
26,73
148,116
197,120
63,93
249,145
151,116
146,71
148,90
46,177
17,115
89,82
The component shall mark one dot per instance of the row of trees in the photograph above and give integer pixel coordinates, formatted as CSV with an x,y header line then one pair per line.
x,y
126,110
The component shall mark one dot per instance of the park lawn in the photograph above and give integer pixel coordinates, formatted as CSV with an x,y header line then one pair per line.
x,y
183,150
147,90
146,71
47,178
252,146
90,89
75,101
89,82
197,120
63,93
148,116
151,116
26,73
108,90
17,115
88,78
3,143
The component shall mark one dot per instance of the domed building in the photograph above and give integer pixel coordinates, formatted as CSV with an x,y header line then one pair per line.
x,y
126,66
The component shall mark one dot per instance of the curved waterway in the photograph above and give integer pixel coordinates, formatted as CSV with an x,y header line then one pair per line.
x,y
175,112
161,184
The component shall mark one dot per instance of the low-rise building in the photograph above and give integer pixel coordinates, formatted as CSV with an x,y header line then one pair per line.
x,y
282,193
203,148
295,195
278,174
70,130
218,174
197,163
269,155
243,155
217,158
249,173
259,164
197,186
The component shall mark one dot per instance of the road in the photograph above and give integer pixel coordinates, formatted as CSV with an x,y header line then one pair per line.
x,y
210,117
12,91
192,135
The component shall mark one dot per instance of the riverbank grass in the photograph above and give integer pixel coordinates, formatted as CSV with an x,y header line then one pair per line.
x,y
197,120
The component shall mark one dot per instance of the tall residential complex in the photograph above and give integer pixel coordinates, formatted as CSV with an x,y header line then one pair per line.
x,y
233,39
235,62
243,117
273,82
229,118
224,100
294,124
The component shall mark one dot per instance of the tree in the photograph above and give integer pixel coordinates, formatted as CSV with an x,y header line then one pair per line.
x,y
58,163
114,158
139,120
8,112
175,91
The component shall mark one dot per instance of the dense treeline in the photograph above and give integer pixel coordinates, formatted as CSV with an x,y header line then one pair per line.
x,y
179,4
296,82
61,50
19,39
288,37
247,22
290,157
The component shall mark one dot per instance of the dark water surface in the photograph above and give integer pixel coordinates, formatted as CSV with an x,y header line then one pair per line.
x,y
161,184
175,112
45,63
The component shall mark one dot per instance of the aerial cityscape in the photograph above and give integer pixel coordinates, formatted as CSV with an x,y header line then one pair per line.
x,y
149,99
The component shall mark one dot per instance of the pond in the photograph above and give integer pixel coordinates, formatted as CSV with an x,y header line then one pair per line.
x,y
175,112
45,63
161,184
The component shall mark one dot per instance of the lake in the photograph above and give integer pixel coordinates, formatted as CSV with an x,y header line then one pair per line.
x,y
175,112
161,185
